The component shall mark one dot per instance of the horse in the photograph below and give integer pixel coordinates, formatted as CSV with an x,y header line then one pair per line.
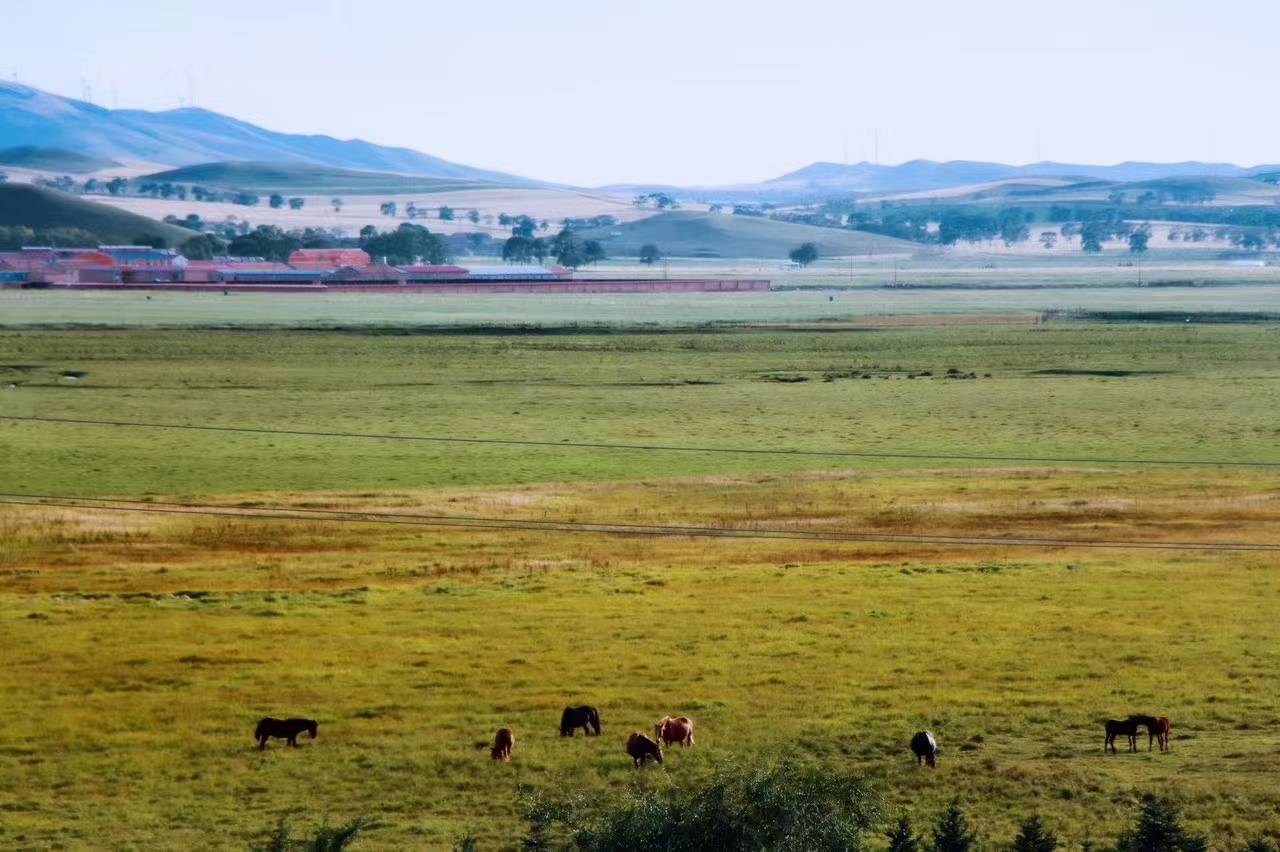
x,y
641,747
283,729
503,744
674,730
925,748
1115,728
579,717
1157,729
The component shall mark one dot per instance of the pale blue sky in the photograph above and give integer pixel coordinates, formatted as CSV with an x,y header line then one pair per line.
x,y
686,91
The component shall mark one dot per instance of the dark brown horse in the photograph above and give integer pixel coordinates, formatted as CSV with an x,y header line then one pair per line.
x,y
641,748
585,717
1115,728
503,744
1157,729
283,729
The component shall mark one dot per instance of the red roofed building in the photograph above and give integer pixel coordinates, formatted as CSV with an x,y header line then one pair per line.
x,y
328,259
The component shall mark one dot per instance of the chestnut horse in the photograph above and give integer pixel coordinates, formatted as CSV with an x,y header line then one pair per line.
x,y
1157,729
503,744
1128,728
641,747
674,730
283,729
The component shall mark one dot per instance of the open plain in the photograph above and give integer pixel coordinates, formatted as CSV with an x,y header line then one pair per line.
x,y
141,644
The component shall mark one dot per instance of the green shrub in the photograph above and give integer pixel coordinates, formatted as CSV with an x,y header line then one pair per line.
x,y
787,807
903,838
326,839
1034,837
952,834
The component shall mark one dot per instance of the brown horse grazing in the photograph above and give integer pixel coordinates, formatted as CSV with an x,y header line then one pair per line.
x,y
579,717
674,730
640,747
1115,728
1157,729
503,744
925,748
283,729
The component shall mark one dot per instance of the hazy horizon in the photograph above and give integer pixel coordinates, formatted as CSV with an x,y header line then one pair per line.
x,y
685,95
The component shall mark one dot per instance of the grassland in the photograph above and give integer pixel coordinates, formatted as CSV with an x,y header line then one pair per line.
x,y
305,179
53,159
139,649
40,208
698,234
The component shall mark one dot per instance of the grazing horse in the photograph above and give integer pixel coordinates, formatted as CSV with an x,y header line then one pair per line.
x,y
1115,728
579,717
503,744
641,747
1157,729
283,729
925,748
674,730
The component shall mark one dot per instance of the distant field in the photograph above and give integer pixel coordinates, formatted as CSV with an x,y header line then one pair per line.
x,y
140,648
19,308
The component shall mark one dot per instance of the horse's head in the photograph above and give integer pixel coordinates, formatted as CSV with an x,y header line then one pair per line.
x,y
657,732
312,728
657,752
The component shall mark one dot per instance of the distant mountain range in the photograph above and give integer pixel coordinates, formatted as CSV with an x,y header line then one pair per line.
x,y
181,137
186,137
825,180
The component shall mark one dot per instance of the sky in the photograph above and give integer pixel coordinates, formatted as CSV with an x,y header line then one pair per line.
x,y
688,92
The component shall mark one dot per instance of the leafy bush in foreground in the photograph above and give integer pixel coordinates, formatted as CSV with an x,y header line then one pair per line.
x,y
786,807
1159,829
326,839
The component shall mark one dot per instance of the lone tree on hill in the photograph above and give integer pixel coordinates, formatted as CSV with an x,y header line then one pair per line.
x,y
805,254
649,254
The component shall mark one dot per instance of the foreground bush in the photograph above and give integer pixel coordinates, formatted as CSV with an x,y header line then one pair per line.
x,y
1159,829
787,807
326,839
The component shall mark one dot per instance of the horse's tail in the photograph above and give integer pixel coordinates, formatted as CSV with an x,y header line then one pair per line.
x,y
258,731
594,715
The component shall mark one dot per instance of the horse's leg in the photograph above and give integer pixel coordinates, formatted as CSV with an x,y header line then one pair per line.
x,y
262,743
293,740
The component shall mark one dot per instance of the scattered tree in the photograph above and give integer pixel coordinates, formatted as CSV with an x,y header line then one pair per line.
x,y
952,834
804,254
337,204
1034,837
1091,237
903,838
446,213
649,254
1048,239
387,208
1138,239
296,203
408,243
473,216
1159,829
592,252
276,201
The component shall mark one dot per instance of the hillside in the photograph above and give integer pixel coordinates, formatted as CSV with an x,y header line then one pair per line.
x,y
30,116
689,234
308,179
40,208
52,159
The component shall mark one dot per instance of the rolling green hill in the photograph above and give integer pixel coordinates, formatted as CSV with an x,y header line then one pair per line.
x,y
52,159
307,179
40,208
690,234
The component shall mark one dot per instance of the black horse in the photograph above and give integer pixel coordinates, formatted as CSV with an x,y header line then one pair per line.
x,y
925,748
579,717
283,729
1127,728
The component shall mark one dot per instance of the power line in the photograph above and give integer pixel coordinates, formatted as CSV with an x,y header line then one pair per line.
x,y
285,513
584,445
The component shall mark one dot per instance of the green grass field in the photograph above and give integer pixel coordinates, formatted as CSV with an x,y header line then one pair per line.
x,y
140,649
